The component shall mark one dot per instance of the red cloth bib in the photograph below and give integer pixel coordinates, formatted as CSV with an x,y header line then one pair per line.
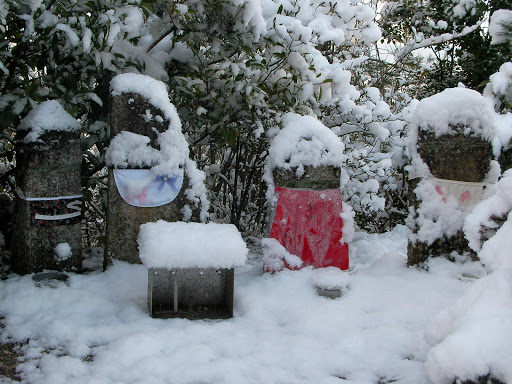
x,y
308,224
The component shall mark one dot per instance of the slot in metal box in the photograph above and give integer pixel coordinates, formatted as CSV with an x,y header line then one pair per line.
x,y
192,293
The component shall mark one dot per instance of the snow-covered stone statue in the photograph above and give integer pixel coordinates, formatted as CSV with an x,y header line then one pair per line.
x,y
451,150
48,206
150,174
308,223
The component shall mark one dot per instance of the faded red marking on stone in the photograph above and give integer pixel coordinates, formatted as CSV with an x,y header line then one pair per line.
x,y
466,195
440,191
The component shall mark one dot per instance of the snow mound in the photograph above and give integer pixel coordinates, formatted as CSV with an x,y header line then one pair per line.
x,y
153,90
187,245
304,140
47,116
63,252
276,257
131,149
454,107
330,278
470,338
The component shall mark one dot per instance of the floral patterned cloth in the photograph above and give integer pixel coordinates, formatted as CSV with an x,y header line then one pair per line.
x,y
142,188
56,211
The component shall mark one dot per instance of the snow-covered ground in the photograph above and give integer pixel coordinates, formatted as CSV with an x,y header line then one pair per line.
x,y
98,329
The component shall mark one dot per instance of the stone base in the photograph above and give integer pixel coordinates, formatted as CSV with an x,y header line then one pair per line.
x,y
419,252
192,293
51,279
33,247
331,293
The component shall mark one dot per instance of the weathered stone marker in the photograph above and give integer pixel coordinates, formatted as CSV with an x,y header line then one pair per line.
x,y
191,268
149,170
48,207
451,155
303,173
318,178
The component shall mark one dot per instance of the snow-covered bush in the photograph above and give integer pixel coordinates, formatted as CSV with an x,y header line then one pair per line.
x,y
374,157
500,26
233,67
499,88
280,60
499,92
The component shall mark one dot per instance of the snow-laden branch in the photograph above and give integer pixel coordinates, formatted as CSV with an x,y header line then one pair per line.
x,y
434,40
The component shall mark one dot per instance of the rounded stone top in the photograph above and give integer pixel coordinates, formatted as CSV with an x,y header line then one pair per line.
x,y
48,116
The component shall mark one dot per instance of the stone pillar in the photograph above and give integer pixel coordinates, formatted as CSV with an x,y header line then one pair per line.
x,y
303,172
455,157
48,206
133,112
309,225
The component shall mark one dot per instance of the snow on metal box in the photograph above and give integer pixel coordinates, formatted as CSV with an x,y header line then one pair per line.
x,y
308,224
193,293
